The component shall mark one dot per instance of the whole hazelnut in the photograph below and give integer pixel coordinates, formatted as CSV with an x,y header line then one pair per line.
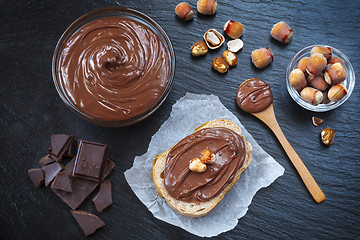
x,y
207,7
318,82
334,60
184,11
326,51
337,92
302,64
230,58
262,57
297,79
336,73
317,62
311,95
325,100
220,65
233,29
282,32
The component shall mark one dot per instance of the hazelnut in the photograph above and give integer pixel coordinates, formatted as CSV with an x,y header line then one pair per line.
x,y
337,92
302,64
334,60
199,48
326,51
325,97
213,38
220,65
207,7
318,82
327,136
336,73
317,121
207,156
311,95
184,11
317,62
235,45
195,165
230,58
297,79
262,57
233,29
282,32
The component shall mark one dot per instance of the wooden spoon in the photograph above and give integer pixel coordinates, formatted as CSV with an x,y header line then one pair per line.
x,y
268,117
255,96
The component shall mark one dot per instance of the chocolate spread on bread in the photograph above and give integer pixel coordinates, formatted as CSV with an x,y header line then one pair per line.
x,y
254,95
114,68
188,186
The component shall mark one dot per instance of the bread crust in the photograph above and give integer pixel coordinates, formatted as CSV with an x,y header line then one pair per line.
x,y
197,209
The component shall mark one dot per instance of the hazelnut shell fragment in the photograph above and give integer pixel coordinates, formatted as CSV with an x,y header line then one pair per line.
x,y
317,121
199,48
213,38
230,58
220,65
233,29
282,32
207,7
262,57
184,11
327,136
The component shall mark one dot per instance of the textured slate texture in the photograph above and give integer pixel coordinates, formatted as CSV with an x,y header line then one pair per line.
x,y
31,111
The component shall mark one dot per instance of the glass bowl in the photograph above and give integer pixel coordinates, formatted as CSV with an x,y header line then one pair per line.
x,y
348,83
112,12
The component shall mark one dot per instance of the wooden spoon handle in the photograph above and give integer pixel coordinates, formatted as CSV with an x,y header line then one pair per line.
x,y
304,173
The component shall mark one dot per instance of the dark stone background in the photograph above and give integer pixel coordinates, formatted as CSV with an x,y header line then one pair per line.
x,y
31,111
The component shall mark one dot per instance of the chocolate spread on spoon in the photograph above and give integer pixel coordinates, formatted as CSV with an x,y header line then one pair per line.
x,y
254,95
114,68
188,186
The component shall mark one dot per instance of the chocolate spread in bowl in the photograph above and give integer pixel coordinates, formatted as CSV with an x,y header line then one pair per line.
x,y
188,186
114,68
254,95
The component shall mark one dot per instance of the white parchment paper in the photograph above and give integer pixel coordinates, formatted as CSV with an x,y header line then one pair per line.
x,y
187,114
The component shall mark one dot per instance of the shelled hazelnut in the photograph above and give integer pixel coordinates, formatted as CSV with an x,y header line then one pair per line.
x,y
195,165
207,7
327,136
220,65
184,11
235,45
262,57
199,48
230,58
233,29
282,32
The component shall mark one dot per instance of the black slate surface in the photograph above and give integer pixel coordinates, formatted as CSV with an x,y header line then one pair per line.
x,y
31,111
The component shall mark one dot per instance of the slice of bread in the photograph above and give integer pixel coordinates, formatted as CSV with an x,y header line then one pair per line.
x,y
197,209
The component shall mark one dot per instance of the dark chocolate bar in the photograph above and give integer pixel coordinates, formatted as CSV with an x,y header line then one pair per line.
x,y
88,222
37,177
90,160
103,199
81,188
62,182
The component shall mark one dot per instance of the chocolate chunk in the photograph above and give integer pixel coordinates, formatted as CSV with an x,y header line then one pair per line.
x,y
60,144
62,182
88,222
71,152
36,175
46,160
103,199
90,160
82,188
50,171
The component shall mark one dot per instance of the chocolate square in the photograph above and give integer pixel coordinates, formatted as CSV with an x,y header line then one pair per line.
x,y
62,182
81,188
37,177
90,160
103,199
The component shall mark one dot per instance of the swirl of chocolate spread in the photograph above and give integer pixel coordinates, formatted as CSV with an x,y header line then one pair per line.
x,y
114,68
188,186
254,95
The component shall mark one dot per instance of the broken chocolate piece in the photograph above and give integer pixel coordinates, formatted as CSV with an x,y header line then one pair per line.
x,y
88,222
90,160
103,199
82,188
62,182
71,152
60,144
46,160
50,171
36,175
317,121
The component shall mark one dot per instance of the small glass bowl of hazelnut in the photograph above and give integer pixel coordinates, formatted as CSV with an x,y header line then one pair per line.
x,y
320,78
